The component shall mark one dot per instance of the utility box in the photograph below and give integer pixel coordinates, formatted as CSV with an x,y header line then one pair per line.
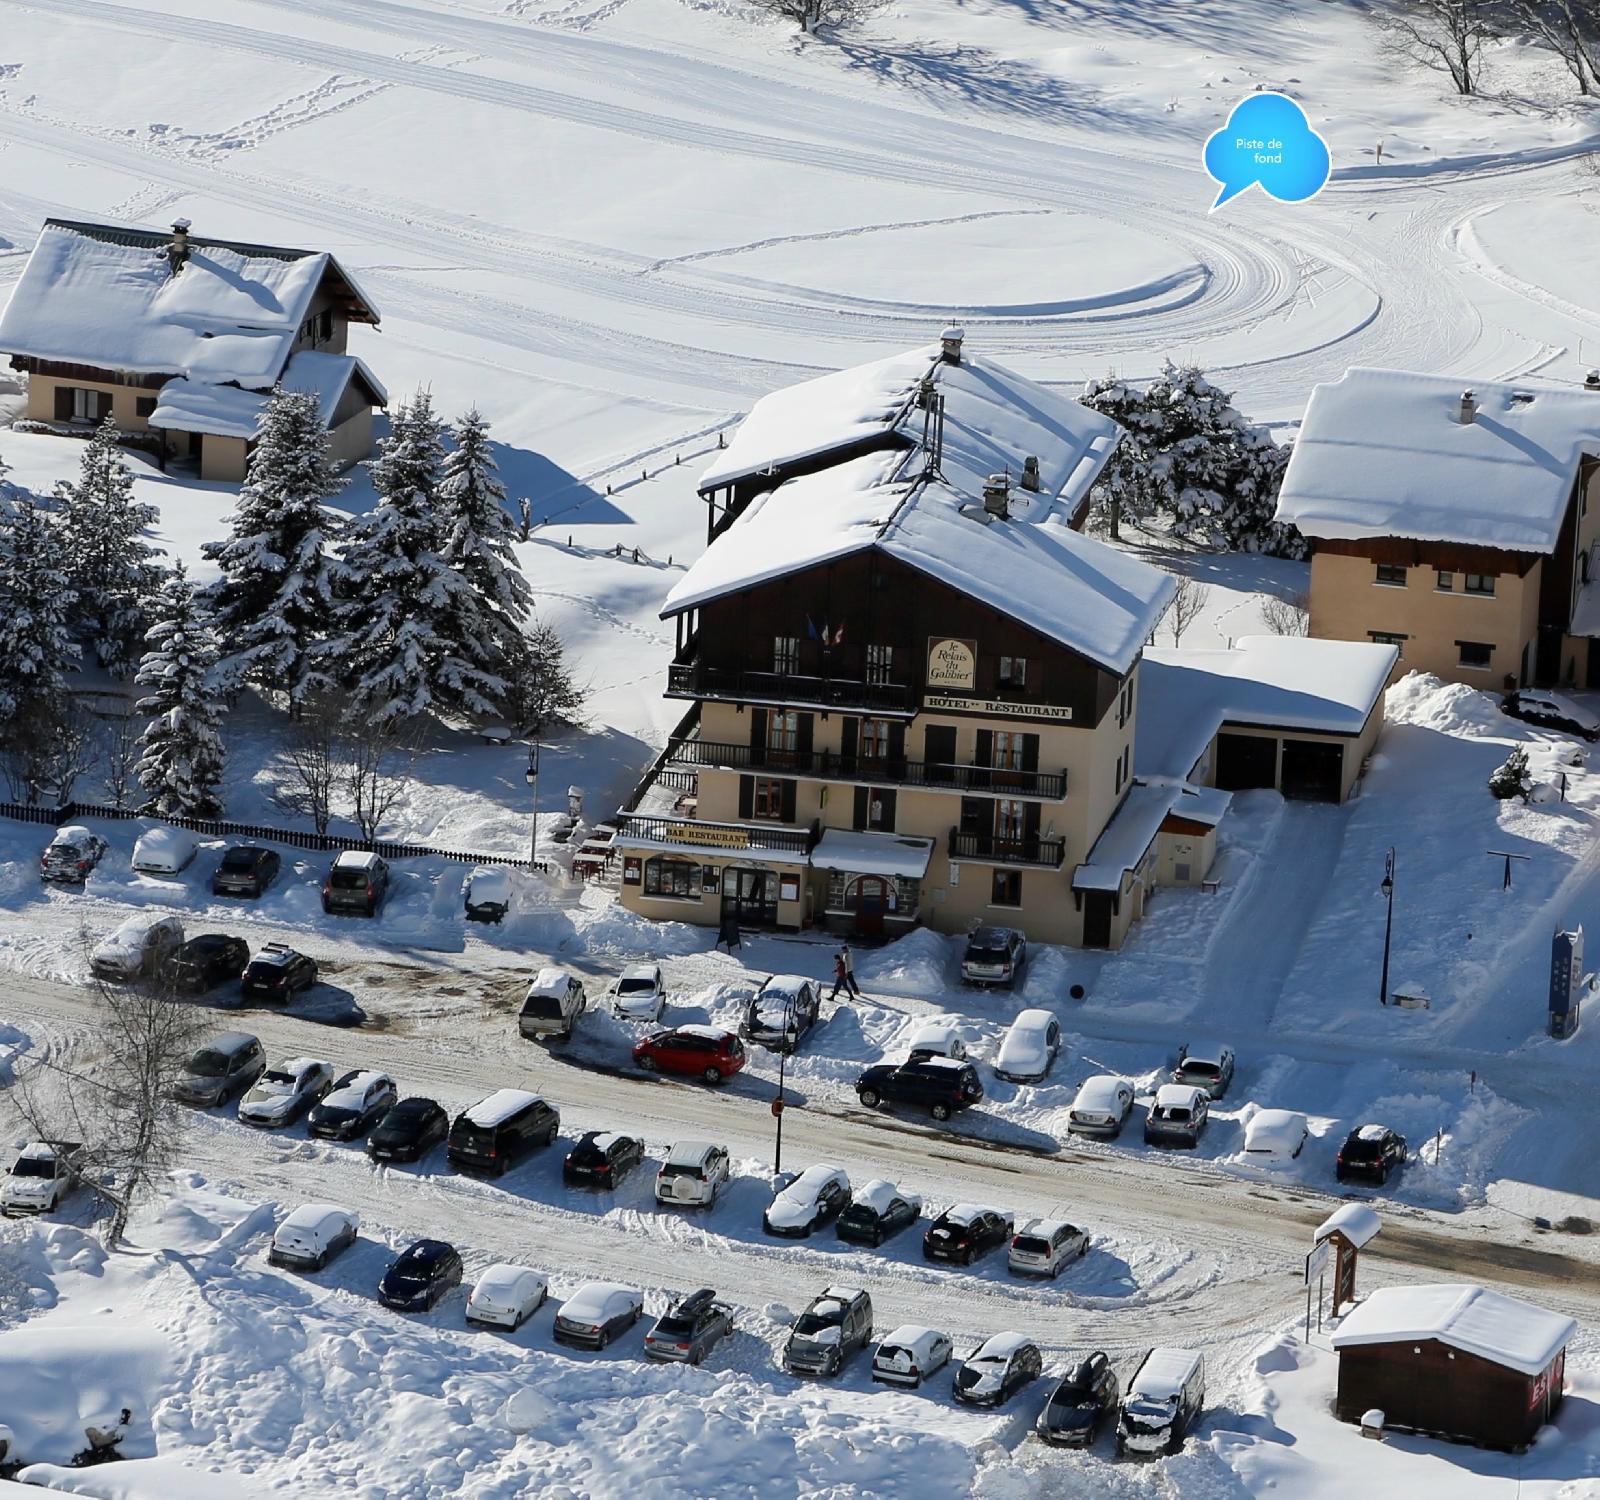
x,y
1566,982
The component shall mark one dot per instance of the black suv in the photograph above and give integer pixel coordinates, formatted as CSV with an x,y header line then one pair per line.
x,y
690,1328
422,1275
964,1233
1370,1153
276,972
245,870
941,1085
602,1159
1087,1395
410,1130
499,1131
207,960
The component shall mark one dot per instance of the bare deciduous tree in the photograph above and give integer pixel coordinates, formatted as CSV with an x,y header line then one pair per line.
x,y
46,748
311,765
1446,35
1571,29
119,757
374,769
1188,601
1291,616
72,746
812,15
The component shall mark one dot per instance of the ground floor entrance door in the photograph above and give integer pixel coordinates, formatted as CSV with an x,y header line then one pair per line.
x,y
1097,919
1313,770
871,901
750,896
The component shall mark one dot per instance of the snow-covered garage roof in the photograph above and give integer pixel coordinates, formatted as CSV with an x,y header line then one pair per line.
x,y
1463,1315
1383,453
226,411
104,295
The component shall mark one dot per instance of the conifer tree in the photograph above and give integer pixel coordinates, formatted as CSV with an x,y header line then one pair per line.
x,y
36,646
180,769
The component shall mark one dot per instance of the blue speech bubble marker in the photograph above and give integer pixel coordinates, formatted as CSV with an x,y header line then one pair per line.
x,y
1269,141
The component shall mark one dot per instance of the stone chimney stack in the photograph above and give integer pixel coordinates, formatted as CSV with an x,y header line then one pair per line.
x,y
997,495
950,344
1467,412
1030,473
178,250
1591,381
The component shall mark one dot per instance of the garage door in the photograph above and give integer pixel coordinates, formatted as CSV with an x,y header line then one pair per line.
x,y
1245,761
1312,770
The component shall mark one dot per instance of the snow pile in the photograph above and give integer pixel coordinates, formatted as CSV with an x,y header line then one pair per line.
x,y
923,962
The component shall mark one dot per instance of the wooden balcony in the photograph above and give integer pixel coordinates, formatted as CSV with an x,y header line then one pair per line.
x,y
992,848
694,679
668,830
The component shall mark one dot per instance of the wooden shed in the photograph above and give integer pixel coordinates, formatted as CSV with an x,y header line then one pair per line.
x,y
1453,1361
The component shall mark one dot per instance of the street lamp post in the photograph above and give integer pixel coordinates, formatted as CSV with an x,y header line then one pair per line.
x,y
531,776
1388,925
778,1099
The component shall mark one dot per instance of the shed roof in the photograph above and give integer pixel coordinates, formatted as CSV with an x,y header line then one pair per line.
x,y
1463,1315
1355,1221
186,405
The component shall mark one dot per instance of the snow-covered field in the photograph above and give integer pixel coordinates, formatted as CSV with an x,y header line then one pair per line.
x,y
611,225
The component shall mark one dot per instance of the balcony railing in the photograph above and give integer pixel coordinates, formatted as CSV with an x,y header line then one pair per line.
x,y
696,679
1047,786
667,830
1028,849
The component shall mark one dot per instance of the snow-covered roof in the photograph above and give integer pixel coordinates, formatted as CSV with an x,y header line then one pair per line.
x,y
1465,1316
689,1153
872,853
355,859
1383,453
1161,1376
1099,1091
1370,1133
909,1336
1177,1096
876,1195
1044,1228
1000,1346
1124,840
503,1276
499,1107
316,1216
711,1033
44,1151
1355,1221
782,987
549,981
595,1299
185,405
1272,681
963,1213
1268,1128
104,295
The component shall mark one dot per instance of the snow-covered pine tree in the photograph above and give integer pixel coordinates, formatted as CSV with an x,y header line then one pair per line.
x,y
111,568
542,690
181,767
272,608
1131,486
36,645
478,545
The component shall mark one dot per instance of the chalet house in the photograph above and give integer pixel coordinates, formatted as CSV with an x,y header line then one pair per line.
x,y
184,338
1460,526
914,683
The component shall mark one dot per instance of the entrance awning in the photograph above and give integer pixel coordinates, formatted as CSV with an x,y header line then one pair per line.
x,y
872,854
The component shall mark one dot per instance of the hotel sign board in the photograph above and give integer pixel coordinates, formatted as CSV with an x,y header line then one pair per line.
x,y
952,664
943,703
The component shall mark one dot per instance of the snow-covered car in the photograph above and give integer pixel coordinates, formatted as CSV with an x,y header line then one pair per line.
x,y
877,1211
690,1328
997,1369
1206,1065
354,1105
966,1232
164,851
640,994
937,1037
276,972
828,1332
41,1176
909,1354
782,1011
994,955
552,1005
1161,1402
506,1296
137,949
358,881
1101,1106
1043,1246
312,1235
1178,1115
281,1095
487,893
70,855
1551,711
1274,1135
597,1313
1371,1152
814,1198
1029,1048
693,1174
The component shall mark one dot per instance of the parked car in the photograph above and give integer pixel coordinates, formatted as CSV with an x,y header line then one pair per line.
x,y
555,1000
781,1012
246,870
312,1235
693,1174
357,882
410,1130
596,1313
941,1085
706,1052
1551,711
602,1159
1274,1135
486,893
354,1105
1178,1116
814,1198
1079,1405
281,1095
1205,1065
994,955
138,949
1042,1247
997,1369
43,1173
1370,1153
497,1132
640,993
1029,1049
1162,1401
877,1211
506,1296
207,960
277,972
910,1354
690,1329
1101,1106
422,1274
227,1065
828,1332
966,1232
70,855
164,851
936,1038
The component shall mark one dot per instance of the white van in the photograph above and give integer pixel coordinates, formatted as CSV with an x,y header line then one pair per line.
x,y
692,1175
1162,1401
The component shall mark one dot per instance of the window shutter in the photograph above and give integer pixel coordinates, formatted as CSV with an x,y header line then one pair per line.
x,y
63,403
848,731
802,736
758,731
1030,821
985,751
939,744
973,814
102,405
886,797
860,820
1030,752
747,795
788,801
897,743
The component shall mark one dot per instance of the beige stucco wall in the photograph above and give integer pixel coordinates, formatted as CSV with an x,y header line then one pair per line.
x,y
705,909
1347,603
1196,850
222,458
351,440
124,400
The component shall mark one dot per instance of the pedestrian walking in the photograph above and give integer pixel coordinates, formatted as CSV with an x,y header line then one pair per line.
x,y
841,977
849,972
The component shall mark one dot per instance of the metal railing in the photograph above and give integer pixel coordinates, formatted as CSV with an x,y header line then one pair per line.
x,y
702,681
1027,849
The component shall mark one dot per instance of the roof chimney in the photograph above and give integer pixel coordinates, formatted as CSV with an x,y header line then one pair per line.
x,y
925,393
1467,412
997,495
1030,472
1591,381
950,344
178,250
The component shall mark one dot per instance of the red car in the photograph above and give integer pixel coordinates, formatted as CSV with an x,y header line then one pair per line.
x,y
706,1052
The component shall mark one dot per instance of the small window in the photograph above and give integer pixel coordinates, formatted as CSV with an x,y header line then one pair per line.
x,y
1014,671
1393,574
1389,638
1475,654
1006,889
785,655
1447,581
1477,583
670,877
879,663
767,798
145,406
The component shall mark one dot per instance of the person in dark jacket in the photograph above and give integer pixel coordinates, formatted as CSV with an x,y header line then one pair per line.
x,y
844,977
